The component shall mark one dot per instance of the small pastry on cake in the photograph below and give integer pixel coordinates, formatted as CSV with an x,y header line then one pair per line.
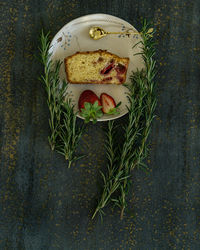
x,y
100,67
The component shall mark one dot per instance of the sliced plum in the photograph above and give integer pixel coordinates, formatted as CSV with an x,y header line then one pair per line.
x,y
107,69
121,79
120,68
107,79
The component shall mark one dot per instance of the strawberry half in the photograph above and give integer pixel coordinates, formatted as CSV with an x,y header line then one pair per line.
x,y
108,104
89,106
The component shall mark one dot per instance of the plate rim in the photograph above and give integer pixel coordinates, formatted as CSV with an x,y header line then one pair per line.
x,y
89,15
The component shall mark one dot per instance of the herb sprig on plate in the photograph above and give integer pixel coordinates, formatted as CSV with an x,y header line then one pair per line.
x,y
121,161
64,134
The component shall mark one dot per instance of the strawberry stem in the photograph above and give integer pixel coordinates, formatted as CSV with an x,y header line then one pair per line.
x,y
91,112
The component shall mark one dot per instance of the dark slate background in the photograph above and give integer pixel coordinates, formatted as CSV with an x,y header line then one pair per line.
x,y
44,205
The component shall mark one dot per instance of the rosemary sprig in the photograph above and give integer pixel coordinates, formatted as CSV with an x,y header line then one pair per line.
x,y
64,136
69,134
50,78
114,176
134,150
146,82
119,159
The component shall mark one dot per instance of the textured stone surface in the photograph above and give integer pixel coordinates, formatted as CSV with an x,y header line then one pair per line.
x,y
44,205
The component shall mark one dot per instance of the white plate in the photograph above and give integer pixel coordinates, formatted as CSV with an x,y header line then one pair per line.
x,y
74,37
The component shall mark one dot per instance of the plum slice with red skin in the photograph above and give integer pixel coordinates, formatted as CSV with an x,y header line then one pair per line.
x,y
121,69
107,69
121,79
107,79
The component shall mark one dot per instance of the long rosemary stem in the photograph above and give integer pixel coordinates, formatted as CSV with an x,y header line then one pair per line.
x,y
64,134
111,179
134,150
50,78
149,106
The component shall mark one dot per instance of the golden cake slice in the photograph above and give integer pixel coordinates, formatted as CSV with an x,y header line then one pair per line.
x,y
99,67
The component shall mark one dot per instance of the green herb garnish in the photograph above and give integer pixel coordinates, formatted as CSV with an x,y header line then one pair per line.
x,y
122,160
91,112
64,135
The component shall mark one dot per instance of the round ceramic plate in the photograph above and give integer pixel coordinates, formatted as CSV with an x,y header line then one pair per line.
x,y
74,37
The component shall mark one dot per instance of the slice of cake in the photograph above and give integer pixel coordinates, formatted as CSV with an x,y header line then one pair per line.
x,y
99,66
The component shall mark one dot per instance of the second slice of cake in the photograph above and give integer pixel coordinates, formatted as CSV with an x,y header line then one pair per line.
x,y
96,67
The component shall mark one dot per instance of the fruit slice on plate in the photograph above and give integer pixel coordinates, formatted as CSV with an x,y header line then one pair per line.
x,y
100,67
91,107
108,104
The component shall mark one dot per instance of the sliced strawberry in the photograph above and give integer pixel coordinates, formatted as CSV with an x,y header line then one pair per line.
x,y
89,106
87,96
108,103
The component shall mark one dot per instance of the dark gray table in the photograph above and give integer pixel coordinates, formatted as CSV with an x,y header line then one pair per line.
x,y
44,205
